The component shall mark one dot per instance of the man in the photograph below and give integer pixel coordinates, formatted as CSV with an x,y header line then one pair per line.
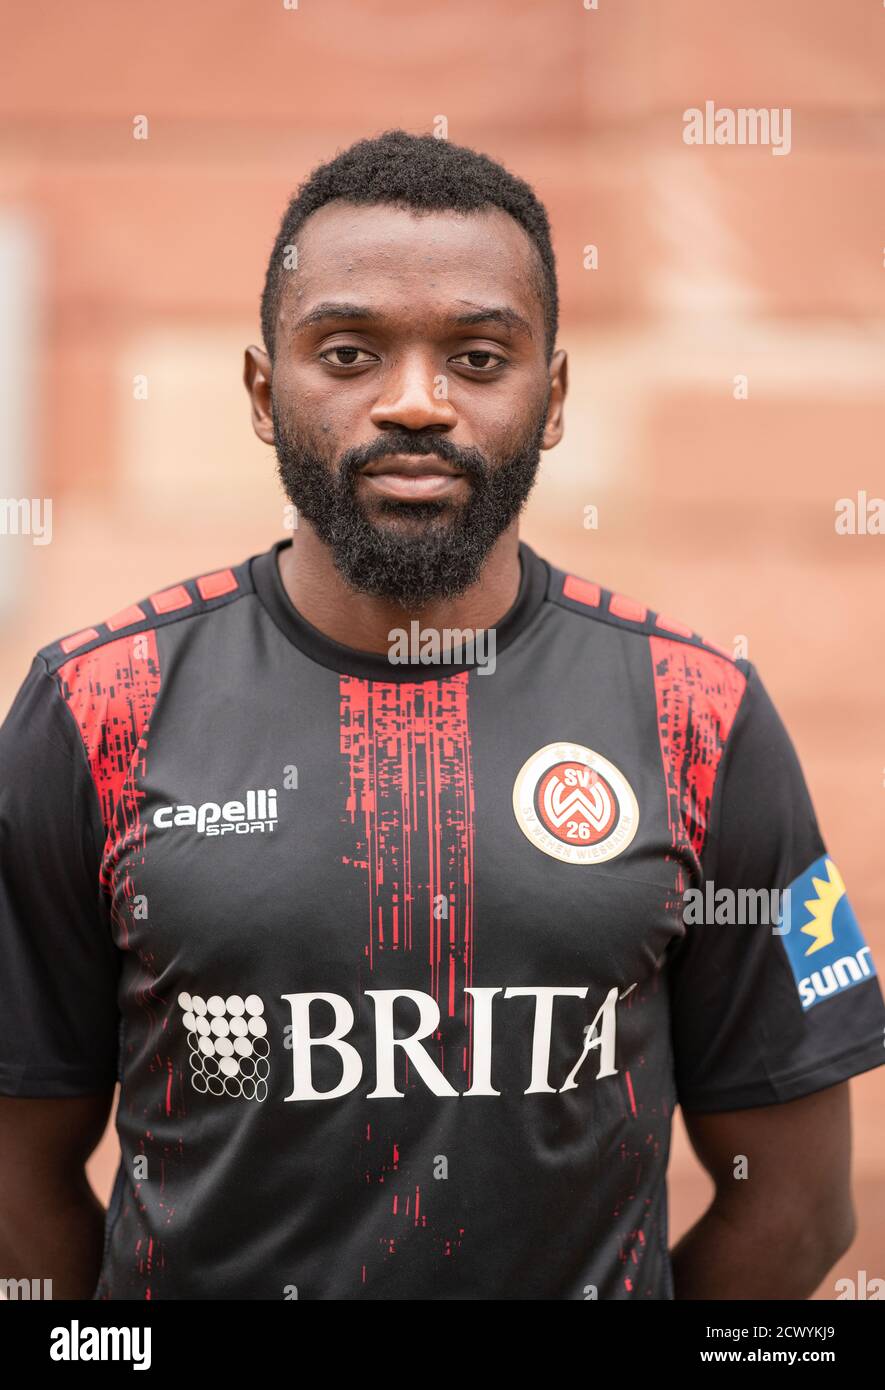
x,y
383,852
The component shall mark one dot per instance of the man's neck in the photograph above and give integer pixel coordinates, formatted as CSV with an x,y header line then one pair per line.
x,y
364,622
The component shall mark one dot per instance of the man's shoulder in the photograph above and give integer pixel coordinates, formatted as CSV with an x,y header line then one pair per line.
x,y
188,598
591,600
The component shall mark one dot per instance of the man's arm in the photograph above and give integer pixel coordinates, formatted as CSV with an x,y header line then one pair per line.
x,y
59,975
51,1222
772,1013
777,1232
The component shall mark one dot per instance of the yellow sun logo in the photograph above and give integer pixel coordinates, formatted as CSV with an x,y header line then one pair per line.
x,y
829,891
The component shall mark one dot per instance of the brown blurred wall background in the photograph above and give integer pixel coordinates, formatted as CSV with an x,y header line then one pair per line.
x,y
128,262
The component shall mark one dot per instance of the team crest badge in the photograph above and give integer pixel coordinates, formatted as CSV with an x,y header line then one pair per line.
x,y
574,804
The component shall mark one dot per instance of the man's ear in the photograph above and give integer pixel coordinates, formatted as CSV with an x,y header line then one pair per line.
x,y
257,378
555,424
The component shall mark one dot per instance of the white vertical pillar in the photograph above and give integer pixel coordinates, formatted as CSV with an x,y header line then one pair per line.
x,y
20,342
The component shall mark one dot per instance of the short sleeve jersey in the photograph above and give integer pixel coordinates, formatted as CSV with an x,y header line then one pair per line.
x,y
403,963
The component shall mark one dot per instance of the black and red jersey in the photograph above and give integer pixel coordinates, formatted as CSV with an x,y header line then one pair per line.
x,y
403,968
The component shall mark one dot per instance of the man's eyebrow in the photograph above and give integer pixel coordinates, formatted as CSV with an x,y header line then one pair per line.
x,y
494,313
333,309
480,313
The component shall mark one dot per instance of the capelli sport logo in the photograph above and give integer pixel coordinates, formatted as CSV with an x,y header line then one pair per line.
x,y
255,814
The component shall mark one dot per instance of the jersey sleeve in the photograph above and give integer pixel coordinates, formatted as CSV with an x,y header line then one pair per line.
x,y
773,1001
59,966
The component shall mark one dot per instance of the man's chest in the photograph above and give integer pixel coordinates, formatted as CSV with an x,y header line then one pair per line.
x,y
464,863
403,828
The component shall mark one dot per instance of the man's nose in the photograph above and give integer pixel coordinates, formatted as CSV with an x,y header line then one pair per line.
x,y
414,397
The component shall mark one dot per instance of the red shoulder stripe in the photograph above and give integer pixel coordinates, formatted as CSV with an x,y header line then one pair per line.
x,y
111,691
697,694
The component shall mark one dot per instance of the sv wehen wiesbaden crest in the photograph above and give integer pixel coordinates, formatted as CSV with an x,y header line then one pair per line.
x,y
574,804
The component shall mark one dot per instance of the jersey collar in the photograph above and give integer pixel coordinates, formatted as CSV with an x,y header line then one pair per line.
x,y
534,580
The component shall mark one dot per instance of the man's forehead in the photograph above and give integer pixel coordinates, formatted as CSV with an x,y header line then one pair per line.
x,y
476,257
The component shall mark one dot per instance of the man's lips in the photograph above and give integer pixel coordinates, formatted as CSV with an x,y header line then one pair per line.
x,y
420,477
412,465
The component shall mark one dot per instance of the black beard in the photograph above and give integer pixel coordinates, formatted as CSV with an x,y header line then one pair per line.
x,y
410,567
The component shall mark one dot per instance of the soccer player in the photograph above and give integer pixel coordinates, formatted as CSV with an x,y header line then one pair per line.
x,y
405,882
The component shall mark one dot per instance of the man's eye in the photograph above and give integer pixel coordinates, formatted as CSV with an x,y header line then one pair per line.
x,y
481,359
344,356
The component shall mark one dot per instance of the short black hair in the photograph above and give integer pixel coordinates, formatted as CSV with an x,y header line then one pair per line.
x,y
421,172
